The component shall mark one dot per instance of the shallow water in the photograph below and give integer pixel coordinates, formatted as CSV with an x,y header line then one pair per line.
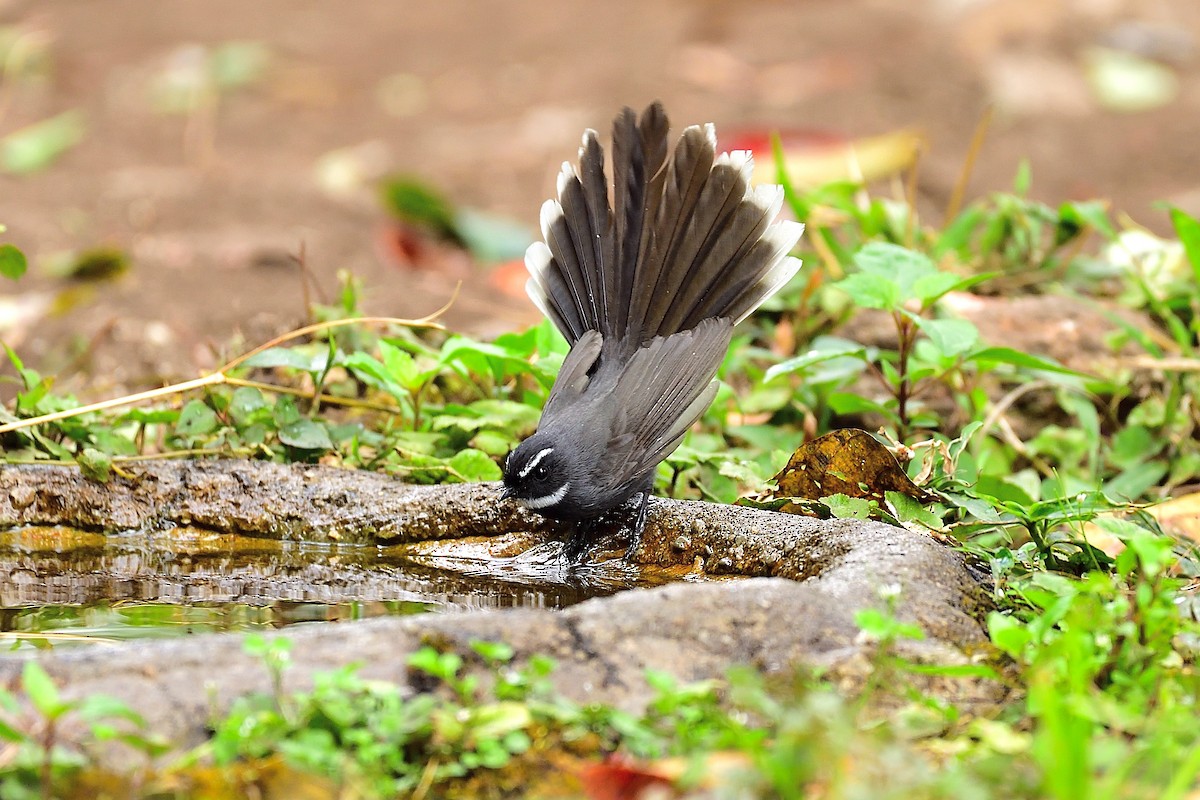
x,y
60,585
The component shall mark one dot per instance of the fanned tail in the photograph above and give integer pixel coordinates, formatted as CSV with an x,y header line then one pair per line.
x,y
685,239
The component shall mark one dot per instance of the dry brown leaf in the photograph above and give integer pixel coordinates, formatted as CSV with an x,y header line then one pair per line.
x,y
848,461
1178,517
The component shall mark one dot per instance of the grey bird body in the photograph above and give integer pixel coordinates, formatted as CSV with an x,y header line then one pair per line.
x,y
646,289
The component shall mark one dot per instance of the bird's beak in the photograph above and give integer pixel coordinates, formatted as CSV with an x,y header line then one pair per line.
x,y
506,493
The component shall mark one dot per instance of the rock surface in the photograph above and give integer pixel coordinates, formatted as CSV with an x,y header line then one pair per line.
x,y
803,581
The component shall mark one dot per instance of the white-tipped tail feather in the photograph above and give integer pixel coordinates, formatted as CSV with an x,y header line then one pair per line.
x,y
710,244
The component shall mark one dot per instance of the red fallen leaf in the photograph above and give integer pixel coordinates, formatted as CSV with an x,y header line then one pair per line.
x,y
814,157
402,245
618,779
509,277
407,247
798,140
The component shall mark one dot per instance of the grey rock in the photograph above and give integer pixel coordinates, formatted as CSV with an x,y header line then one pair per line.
x,y
756,587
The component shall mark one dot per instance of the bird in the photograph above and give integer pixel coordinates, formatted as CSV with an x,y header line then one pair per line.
x,y
646,288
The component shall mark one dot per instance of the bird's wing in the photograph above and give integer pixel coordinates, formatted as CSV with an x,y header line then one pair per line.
x,y
663,390
573,376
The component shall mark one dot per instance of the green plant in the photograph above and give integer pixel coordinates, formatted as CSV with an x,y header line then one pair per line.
x,y
907,285
1110,674
41,756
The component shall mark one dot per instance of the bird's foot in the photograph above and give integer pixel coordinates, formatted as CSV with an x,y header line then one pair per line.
x,y
639,526
577,544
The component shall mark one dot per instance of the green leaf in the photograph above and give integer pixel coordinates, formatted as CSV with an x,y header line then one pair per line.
x,y
991,356
824,349
870,291
881,626
417,203
37,146
196,419
496,719
1079,214
847,403
955,237
475,465
372,372
402,367
285,357
1023,179
98,706
901,266
248,404
94,464
11,734
305,434
1008,634
929,288
494,443
909,510
1188,229
979,509
845,507
1134,444
800,207
1134,482
1003,490
150,416
12,261
457,346
550,340
492,238
951,337
496,652
41,691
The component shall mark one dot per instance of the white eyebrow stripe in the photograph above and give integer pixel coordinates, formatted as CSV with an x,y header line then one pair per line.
x,y
533,462
548,500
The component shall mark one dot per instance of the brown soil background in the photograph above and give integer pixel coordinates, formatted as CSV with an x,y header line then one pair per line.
x,y
491,98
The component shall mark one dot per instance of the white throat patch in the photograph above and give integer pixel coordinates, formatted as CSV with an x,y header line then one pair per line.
x,y
533,462
546,501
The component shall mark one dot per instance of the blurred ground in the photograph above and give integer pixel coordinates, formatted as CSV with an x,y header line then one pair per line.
x,y
485,101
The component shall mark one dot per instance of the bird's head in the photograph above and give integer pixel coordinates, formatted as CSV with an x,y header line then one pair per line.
x,y
538,474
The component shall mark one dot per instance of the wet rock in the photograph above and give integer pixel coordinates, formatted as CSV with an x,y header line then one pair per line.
x,y
802,581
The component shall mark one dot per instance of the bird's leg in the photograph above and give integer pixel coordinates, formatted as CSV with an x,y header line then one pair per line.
x,y
577,542
639,525
635,536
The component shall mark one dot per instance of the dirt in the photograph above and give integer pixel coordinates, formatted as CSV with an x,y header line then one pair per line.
x,y
212,206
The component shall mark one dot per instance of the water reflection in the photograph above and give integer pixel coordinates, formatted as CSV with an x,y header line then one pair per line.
x,y
186,580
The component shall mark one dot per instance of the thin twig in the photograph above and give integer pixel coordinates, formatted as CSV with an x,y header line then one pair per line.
x,y
910,197
219,377
129,399
964,176
326,399
1004,403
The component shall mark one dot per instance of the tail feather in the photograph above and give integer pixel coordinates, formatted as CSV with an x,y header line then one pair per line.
x,y
597,238
685,238
629,189
685,179
703,258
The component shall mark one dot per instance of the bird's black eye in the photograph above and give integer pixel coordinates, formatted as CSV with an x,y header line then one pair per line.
x,y
540,471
